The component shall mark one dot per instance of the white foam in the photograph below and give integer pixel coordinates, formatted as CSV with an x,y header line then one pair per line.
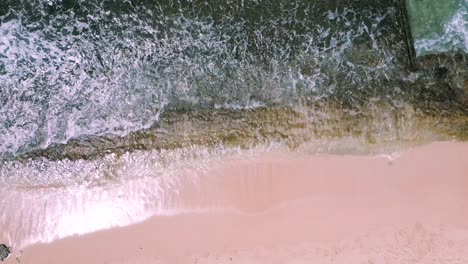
x,y
60,85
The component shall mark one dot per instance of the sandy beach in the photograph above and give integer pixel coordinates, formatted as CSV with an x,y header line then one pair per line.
x,y
290,208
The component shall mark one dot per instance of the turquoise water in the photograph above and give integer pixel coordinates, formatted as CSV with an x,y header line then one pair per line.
x,y
439,26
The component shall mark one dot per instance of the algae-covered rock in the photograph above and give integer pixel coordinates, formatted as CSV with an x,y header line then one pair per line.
x,y
4,252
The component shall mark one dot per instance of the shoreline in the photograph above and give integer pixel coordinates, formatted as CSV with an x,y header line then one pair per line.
x,y
287,208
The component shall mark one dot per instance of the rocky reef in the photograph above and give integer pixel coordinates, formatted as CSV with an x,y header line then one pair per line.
x,y
4,252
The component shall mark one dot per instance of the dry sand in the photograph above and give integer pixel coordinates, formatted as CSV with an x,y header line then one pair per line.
x,y
285,208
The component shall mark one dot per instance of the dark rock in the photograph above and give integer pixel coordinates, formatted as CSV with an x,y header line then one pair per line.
x,y
441,72
4,252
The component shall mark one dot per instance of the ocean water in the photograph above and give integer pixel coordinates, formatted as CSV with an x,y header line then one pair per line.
x,y
80,69
110,109
439,26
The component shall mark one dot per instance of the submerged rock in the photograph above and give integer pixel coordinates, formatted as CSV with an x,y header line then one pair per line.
x,y
4,252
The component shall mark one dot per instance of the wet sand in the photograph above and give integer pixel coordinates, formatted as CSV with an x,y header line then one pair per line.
x,y
286,208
